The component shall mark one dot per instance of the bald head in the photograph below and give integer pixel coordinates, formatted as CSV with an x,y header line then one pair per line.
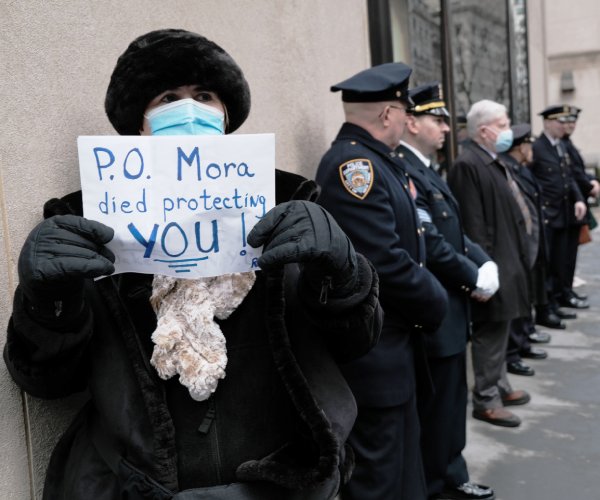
x,y
384,120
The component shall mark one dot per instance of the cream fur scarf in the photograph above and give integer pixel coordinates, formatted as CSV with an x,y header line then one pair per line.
x,y
187,339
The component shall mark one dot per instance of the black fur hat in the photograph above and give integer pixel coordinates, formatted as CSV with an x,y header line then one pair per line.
x,y
166,59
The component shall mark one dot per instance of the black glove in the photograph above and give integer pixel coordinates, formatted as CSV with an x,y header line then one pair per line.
x,y
58,255
304,232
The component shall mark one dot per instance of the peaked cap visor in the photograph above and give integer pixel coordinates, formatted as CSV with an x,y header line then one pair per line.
x,y
167,59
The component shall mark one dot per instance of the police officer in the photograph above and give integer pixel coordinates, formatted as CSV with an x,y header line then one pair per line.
x,y
519,344
563,203
589,187
366,188
463,268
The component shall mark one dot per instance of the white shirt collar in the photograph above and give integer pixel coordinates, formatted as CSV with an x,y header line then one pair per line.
x,y
493,154
552,140
417,153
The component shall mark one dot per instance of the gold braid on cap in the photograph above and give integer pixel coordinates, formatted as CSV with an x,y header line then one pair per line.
x,y
426,107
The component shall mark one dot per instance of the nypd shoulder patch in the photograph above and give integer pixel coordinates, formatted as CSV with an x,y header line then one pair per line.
x,y
357,177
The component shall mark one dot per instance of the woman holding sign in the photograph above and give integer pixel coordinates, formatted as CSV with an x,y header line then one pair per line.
x,y
222,387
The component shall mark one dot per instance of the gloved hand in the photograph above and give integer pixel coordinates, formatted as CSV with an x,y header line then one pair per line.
x,y
487,281
58,255
304,232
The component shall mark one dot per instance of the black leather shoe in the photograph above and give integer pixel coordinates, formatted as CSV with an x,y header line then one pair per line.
x,y
519,368
534,353
467,491
565,315
573,303
550,320
578,295
539,337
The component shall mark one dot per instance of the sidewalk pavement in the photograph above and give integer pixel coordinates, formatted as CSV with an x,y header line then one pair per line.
x,y
555,453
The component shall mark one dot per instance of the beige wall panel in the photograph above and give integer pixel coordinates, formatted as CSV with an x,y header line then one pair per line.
x,y
55,63
572,26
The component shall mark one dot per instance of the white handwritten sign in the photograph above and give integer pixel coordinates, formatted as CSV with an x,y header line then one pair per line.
x,y
180,205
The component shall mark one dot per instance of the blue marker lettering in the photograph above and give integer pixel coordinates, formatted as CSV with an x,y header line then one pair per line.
x,y
164,238
148,244
188,159
126,172
111,159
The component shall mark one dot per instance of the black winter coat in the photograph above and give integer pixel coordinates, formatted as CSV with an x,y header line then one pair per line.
x,y
276,425
452,257
492,218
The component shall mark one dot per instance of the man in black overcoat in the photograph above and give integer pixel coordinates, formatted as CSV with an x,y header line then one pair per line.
x,y
365,186
495,218
464,269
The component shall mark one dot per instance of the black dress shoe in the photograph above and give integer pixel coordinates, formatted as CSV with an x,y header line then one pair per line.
x,y
536,337
573,303
467,491
550,320
565,315
519,368
534,353
578,295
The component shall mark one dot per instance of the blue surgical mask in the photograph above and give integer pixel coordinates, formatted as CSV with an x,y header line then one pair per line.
x,y
186,117
504,141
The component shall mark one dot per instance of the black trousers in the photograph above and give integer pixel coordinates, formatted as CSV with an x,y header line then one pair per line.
x,y
388,456
443,415
558,254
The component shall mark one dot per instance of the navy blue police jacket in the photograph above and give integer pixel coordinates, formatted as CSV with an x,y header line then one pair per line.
x,y
364,185
559,189
452,257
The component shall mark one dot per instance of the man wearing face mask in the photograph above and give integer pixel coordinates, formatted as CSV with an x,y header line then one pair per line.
x,y
495,216
275,426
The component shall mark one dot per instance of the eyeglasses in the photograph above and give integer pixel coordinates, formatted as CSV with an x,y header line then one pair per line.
x,y
392,106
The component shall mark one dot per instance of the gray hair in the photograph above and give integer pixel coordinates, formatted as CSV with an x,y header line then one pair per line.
x,y
483,112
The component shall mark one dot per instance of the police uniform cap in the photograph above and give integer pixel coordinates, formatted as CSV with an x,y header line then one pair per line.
x,y
521,134
385,82
572,116
428,99
555,112
166,59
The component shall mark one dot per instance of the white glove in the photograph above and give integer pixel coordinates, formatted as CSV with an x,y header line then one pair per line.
x,y
487,279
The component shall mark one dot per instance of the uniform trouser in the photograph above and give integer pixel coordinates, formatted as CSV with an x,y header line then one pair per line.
x,y
443,414
518,339
488,348
572,248
558,243
387,453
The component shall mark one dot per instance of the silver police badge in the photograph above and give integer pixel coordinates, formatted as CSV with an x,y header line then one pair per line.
x,y
357,177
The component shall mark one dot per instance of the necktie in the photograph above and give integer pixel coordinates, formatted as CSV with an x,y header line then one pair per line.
x,y
516,192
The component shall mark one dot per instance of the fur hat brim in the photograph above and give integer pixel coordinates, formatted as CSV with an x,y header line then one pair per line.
x,y
167,59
